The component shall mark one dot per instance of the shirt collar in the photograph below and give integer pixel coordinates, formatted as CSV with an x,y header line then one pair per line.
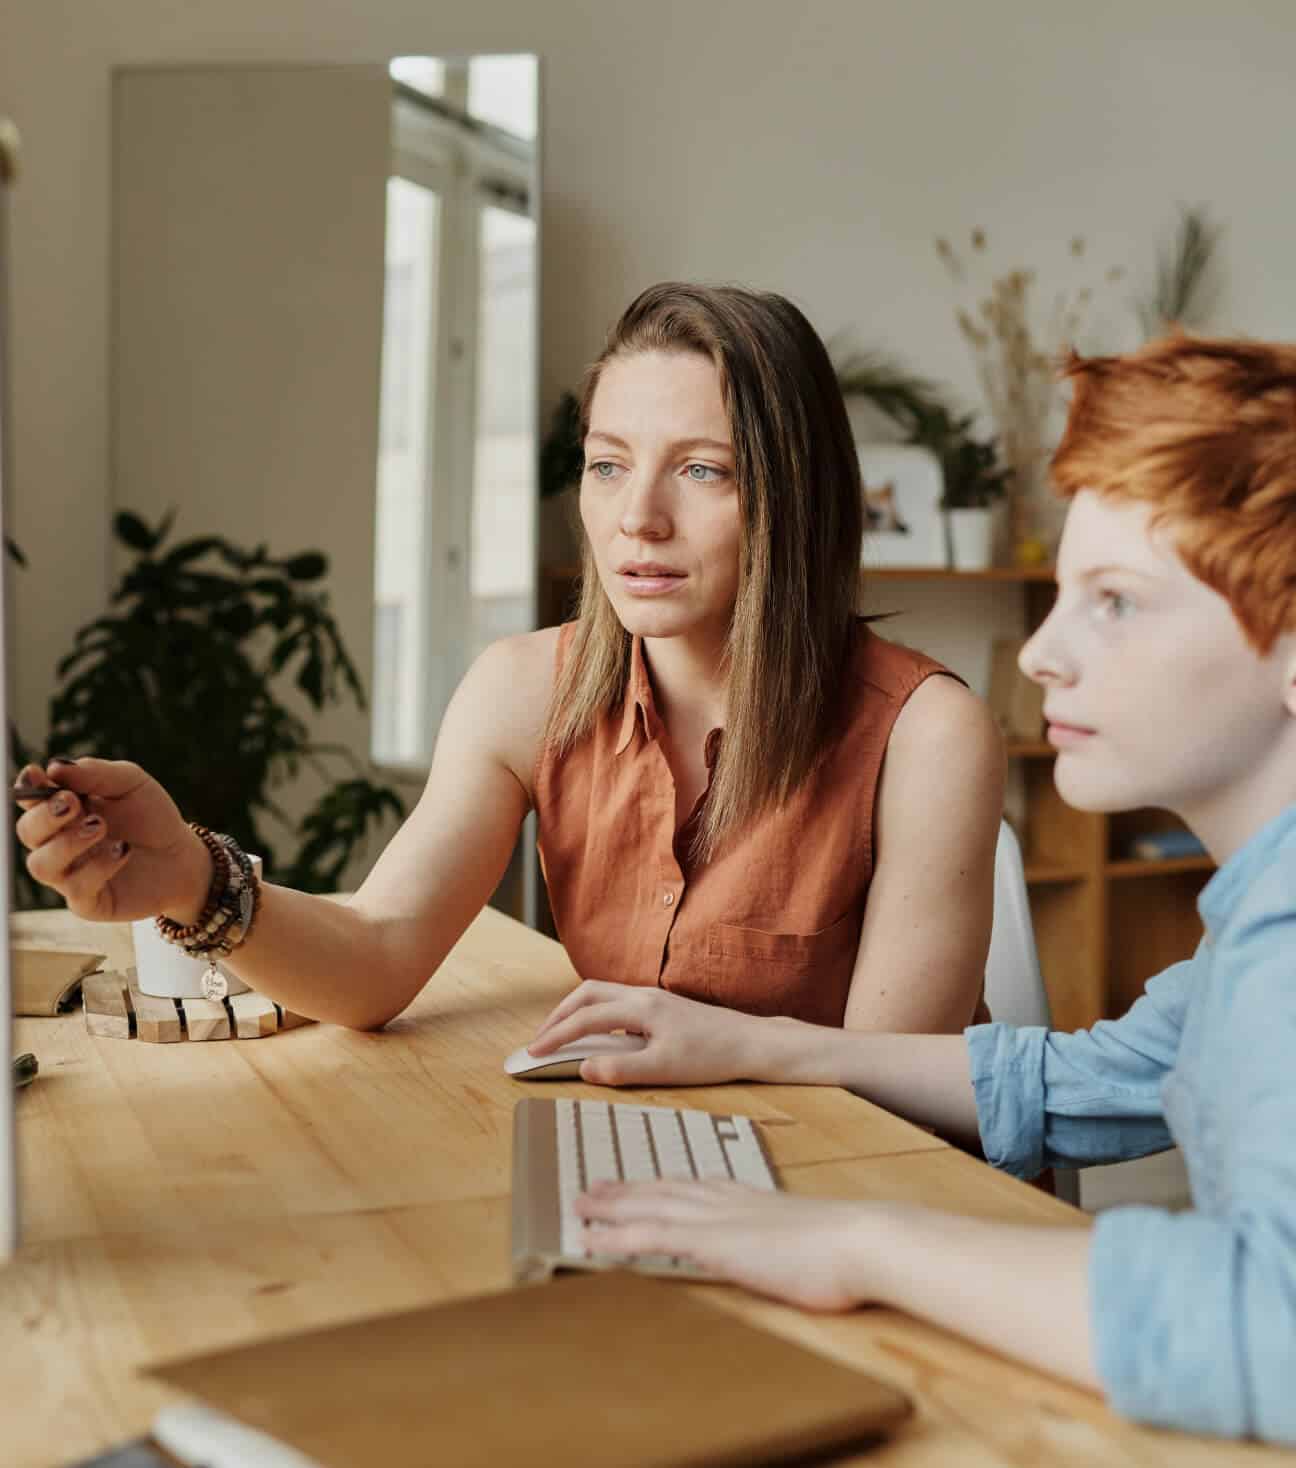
x,y
1220,895
638,698
639,702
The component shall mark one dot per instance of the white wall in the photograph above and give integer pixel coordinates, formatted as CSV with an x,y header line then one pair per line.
x,y
815,150
247,337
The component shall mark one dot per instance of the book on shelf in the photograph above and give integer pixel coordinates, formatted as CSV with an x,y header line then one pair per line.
x,y
1169,845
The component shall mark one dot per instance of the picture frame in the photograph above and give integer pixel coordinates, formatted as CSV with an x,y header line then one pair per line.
x,y
903,489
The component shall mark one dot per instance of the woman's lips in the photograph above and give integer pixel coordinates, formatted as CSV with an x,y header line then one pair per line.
x,y
645,584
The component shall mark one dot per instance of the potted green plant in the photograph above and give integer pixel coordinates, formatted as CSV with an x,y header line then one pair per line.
x,y
186,675
976,483
974,478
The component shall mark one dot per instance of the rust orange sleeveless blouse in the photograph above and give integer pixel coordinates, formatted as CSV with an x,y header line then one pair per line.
x,y
772,924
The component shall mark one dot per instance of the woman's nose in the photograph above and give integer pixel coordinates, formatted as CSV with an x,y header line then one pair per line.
x,y
645,513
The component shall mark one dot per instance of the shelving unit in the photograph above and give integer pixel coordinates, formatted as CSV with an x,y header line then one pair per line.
x,y
1104,923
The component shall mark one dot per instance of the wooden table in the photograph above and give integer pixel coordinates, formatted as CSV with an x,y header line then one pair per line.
x,y
179,1198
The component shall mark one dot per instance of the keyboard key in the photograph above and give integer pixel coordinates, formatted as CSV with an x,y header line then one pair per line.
x,y
708,1155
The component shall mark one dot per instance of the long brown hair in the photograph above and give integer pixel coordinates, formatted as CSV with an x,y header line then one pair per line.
x,y
800,502
1204,431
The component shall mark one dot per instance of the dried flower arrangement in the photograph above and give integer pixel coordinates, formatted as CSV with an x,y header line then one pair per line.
x,y
1186,282
1015,357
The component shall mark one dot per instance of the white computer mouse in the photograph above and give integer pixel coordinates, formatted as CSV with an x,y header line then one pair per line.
x,y
565,1062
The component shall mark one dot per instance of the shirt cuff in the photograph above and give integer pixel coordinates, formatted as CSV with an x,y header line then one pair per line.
x,y
1007,1068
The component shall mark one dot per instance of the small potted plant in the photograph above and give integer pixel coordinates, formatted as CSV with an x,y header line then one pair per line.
x,y
976,483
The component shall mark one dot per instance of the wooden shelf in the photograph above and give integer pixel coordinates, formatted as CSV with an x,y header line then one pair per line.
x,y
1138,867
1038,873
1029,749
945,573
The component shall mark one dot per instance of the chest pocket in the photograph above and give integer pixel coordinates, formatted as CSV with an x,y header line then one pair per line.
x,y
804,975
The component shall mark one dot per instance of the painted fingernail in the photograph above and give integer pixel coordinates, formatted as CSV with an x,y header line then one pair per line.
x,y
61,805
120,849
60,759
92,823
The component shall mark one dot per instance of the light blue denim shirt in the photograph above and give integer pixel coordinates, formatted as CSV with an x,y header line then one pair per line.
x,y
1193,1314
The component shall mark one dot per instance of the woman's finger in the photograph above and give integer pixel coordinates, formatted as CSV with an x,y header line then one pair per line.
x,y
596,1018
87,886
43,821
54,861
588,992
644,1067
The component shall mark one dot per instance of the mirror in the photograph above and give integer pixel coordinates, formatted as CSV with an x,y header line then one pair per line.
x,y
325,336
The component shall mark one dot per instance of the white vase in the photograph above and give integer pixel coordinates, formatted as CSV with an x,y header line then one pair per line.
x,y
971,538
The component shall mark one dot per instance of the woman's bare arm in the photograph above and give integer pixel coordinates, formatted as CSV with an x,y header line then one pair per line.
x,y
116,848
921,959
361,962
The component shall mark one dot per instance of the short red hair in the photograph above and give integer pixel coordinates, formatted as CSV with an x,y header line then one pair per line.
x,y
1205,432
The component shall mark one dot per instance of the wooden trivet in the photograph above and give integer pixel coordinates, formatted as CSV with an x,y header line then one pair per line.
x,y
115,1008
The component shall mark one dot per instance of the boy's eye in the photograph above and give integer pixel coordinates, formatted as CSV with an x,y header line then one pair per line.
x,y
1113,605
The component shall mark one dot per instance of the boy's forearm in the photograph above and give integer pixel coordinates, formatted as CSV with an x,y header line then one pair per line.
x,y
922,1077
1022,1290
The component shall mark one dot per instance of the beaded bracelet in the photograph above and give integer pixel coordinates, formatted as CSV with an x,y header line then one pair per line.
x,y
175,932
233,902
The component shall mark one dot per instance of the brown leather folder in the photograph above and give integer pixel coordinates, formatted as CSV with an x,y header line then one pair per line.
x,y
46,978
592,1371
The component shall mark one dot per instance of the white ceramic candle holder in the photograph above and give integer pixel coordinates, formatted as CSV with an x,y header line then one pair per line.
x,y
168,972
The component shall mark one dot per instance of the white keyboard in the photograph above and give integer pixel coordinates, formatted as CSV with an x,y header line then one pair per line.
x,y
562,1147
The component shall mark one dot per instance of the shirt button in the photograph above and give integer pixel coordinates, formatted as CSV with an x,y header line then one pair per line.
x,y
668,899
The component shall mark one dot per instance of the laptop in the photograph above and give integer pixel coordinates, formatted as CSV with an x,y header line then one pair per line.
x,y
8,1144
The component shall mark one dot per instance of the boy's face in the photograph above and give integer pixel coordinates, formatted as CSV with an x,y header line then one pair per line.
x,y
1153,696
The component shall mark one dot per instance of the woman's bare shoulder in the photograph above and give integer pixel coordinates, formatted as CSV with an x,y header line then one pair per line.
x,y
944,721
510,686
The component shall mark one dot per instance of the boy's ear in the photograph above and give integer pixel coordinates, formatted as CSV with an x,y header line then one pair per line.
x,y
1289,675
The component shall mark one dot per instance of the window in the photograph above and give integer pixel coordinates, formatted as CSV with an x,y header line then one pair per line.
x,y
455,555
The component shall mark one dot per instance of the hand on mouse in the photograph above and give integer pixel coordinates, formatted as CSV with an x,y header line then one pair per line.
x,y
688,1043
112,843
813,1252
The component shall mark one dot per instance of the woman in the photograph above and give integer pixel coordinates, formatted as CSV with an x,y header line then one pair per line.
x,y
704,747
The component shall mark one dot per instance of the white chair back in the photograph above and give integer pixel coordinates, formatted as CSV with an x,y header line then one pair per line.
x,y
1014,985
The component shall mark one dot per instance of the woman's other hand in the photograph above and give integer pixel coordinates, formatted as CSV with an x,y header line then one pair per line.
x,y
689,1043
112,843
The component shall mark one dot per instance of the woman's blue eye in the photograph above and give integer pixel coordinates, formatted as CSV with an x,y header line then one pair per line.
x,y
599,465
704,473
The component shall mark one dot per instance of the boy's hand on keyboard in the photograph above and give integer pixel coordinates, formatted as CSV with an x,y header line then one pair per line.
x,y
689,1043
811,1252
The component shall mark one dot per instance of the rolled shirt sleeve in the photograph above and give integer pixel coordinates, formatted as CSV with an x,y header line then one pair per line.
x,y
1194,1313
1048,1098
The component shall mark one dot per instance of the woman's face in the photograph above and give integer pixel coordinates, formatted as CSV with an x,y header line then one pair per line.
x,y
658,499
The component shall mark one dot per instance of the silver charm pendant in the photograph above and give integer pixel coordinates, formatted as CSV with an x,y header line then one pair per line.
x,y
214,985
